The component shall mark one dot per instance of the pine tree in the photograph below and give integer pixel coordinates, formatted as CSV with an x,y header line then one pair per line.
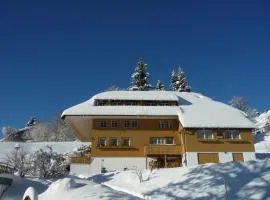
x,y
178,81
182,83
140,77
174,79
160,85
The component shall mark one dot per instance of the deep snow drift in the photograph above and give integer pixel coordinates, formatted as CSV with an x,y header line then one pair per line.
x,y
79,189
250,180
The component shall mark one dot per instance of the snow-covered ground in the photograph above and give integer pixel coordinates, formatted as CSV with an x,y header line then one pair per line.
x,y
79,189
242,181
250,180
59,147
67,188
19,185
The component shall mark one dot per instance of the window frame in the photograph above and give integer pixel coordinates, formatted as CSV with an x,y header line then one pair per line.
x,y
110,142
231,132
165,124
101,122
99,144
160,140
114,122
129,142
130,124
204,131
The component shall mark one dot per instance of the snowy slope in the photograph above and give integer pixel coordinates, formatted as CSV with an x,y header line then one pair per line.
x,y
79,189
60,147
250,180
262,139
262,120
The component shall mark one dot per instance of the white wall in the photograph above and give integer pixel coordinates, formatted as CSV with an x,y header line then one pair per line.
x,y
192,158
80,169
249,156
110,163
225,157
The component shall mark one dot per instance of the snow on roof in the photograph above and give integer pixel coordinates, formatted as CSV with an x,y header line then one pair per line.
x,y
137,95
194,110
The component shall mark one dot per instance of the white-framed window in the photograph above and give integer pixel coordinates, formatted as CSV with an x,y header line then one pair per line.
x,y
103,124
130,124
101,142
126,142
161,140
114,124
232,134
205,134
113,142
165,124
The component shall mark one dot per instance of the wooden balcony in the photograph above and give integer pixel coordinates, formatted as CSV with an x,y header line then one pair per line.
x,y
163,150
86,159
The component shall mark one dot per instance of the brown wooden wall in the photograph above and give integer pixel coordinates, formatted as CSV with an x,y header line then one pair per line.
x,y
193,144
139,139
143,124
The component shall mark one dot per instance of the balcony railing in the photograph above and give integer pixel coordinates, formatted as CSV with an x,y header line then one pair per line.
x,y
81,159
162,150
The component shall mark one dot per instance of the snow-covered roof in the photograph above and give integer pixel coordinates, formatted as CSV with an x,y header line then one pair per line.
x,y
137,95
194,110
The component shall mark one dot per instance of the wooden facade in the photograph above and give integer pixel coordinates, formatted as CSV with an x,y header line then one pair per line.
x,y
139,139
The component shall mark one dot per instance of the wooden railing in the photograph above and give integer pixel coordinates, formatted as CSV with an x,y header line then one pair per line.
x,y
162,150
81,159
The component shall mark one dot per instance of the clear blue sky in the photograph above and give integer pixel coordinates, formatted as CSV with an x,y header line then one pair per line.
x,y
56,54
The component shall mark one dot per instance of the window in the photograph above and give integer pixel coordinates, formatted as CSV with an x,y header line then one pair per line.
x,y
101,142
220,134
161,140
114,124
165,124
113,142
130,124
232,134
205,134
103,124
126,142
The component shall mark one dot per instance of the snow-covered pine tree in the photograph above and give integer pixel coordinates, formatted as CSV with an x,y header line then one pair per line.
x,y
178,81
174,79
140,77
182,80
160,85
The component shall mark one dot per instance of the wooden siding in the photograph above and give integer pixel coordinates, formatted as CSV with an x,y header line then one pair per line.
x,y
193,144
138,140
238,157
163,149
208,158
81,159
143,124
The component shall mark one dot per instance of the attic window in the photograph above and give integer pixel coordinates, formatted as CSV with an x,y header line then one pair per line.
x,y
165,124
205,134
232,134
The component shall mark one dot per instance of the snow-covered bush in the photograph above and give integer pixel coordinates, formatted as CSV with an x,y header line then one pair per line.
x,y
48,164
8,131
84,149
20,159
